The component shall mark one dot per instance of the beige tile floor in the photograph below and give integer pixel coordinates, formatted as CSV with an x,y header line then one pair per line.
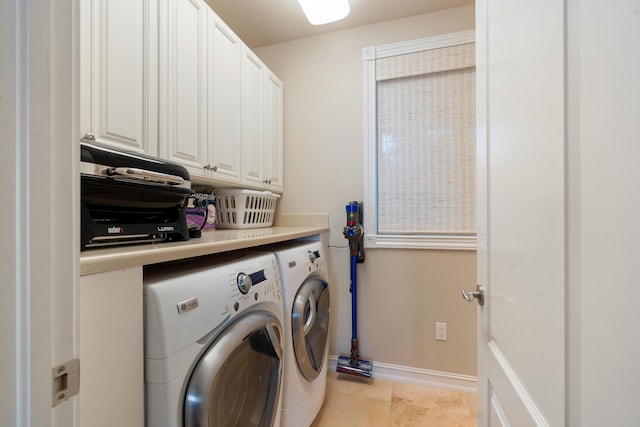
x,y
355,402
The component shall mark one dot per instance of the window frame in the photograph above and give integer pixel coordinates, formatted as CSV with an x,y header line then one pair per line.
x,y
371,238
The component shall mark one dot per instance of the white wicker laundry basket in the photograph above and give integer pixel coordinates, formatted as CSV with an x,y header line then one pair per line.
x,y
239,208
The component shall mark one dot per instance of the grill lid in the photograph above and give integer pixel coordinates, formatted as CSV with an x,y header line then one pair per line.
x,y
101,160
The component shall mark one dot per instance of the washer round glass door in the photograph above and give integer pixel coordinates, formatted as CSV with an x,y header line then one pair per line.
x,y
237,380
310,326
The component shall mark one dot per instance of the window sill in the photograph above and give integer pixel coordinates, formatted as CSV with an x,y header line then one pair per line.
x,y
464,243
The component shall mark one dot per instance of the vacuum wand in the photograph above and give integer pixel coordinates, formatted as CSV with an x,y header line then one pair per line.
x,y
354,233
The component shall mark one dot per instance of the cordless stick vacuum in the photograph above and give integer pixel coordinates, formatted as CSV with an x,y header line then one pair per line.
x,y
354,232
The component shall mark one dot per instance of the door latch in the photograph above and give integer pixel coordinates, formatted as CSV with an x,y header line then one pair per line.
x,y
478,295
65,381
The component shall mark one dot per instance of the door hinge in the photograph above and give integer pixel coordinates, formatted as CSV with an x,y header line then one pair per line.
x,y
65,381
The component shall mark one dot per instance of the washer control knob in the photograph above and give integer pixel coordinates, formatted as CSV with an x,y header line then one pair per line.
x,y
312,257
244,282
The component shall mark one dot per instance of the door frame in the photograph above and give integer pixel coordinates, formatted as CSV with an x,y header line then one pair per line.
x,y
40,257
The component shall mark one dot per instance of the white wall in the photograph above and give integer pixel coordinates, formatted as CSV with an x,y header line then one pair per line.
x,y
402,293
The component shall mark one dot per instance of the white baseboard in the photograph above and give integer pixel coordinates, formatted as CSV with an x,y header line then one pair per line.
x,y
406,374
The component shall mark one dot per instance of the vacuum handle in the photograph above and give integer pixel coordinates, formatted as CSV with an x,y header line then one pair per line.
x,y
353,231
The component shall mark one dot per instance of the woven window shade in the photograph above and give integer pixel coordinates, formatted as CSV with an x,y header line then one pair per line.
x,y
426,142
426,62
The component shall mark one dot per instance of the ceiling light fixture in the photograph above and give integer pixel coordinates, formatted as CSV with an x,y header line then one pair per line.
x,y
320,12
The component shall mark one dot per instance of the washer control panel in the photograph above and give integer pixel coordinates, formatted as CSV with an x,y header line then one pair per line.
x,y
313,256
253,282
245,282
317,259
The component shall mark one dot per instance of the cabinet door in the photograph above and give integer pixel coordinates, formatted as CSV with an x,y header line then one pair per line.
x,y
111,341
119,73
224,76
252,119
183,89
273,132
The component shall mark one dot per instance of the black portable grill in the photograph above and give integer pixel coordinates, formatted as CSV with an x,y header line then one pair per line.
x,y
129,198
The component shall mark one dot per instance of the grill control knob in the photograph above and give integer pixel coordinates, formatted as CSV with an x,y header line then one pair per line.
x,y
244,282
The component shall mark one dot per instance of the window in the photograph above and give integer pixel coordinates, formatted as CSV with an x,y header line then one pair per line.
x,y
420,143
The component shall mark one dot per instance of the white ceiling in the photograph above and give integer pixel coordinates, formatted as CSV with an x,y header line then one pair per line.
x,y
264,22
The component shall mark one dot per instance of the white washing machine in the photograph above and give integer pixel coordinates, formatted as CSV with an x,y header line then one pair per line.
x,y
305,288
214,343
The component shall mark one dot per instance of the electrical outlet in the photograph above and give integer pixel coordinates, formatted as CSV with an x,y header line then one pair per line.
x,y
441,331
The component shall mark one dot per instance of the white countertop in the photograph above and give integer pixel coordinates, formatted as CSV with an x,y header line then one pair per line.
x,y
94,261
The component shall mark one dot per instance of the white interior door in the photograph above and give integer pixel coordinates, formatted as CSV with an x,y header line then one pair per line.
x,y
521,212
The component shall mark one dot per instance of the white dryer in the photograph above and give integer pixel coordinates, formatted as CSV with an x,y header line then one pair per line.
x,y
214,343
305,288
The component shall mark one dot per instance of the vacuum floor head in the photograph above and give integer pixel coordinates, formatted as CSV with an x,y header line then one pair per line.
x,y
363,368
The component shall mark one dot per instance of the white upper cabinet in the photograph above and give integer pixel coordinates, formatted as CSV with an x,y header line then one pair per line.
x,y
252,119
119,73
261,125
169,78
224,77
273,132
183,83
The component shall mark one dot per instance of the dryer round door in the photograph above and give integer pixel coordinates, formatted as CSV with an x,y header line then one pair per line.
x,y
310,326
237,380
